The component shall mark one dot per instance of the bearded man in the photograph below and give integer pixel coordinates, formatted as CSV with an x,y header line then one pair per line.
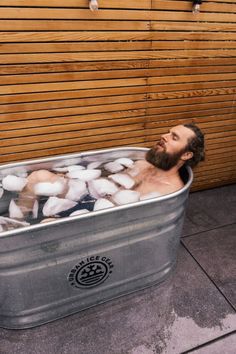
x,y
159,172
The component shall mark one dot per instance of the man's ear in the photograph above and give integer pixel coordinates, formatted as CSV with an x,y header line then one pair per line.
x,y
186,155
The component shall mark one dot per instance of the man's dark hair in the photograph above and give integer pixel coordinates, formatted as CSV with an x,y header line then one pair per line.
x,y
196,145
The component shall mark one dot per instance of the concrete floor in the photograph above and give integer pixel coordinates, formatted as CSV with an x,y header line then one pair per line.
x,y
193,311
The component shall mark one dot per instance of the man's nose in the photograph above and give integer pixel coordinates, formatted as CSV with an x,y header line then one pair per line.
x,y
165,137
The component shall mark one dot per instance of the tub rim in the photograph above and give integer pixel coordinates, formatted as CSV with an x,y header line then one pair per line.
x,y
98,212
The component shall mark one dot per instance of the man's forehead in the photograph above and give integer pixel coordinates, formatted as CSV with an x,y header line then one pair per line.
x,y
183,132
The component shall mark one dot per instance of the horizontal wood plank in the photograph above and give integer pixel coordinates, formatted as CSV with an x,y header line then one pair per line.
x,y
73,80
104,14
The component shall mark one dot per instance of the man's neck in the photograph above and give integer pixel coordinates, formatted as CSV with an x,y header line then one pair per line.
x,y
158,172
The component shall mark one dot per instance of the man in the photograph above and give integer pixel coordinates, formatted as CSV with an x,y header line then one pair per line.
x,y
159,172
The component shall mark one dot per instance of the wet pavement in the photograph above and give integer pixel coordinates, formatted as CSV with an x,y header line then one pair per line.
x,y
193,311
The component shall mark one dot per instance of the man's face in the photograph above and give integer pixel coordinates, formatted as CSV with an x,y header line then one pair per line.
x,y
171,148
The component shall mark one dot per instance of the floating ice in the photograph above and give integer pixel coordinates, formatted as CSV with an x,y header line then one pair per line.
x,y
123,180
77,189
67,162
84,175
69,168
49,189
93,165
15,211
60,169
150,195
55,205
79,212
75,168
101,187
35,209
113,167
102,203
16,171
126,197
92,191
44,221
1,192
124,161
14,183
8,221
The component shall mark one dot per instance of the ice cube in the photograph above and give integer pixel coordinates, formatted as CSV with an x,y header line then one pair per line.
x,y
79,212
113,167
67,162
125,161
55,205
44,221
102,203
101,187
84,175
13,183
77,189
8,221
69,168
15,211
35,209
49,189
75,168
126,197
93,165
123,180
19,171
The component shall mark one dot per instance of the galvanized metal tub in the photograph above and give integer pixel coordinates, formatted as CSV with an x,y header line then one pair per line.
x,y
48,271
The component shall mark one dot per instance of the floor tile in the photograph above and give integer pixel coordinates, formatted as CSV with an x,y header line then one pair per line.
x,y
209,209
215,251
226,345
183,312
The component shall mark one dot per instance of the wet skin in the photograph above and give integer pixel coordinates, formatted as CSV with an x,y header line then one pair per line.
x,y
150,178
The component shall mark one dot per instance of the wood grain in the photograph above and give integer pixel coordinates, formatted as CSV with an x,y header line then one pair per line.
x,y
72,80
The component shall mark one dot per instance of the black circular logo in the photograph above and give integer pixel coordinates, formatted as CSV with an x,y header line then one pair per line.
x,y
90,272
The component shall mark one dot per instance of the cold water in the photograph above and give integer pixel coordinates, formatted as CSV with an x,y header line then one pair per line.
x,y
31,197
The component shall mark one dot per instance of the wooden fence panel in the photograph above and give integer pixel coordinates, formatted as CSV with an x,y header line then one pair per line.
x,y
75,80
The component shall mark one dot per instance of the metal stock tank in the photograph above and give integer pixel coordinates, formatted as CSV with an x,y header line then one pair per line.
x,y
45,269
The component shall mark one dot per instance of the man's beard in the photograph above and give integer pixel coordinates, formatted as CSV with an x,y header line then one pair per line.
x,y
162,159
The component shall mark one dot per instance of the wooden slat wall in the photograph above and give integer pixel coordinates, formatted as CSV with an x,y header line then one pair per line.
x,y
73,80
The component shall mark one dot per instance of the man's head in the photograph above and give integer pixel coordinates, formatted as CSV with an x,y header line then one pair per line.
x,y
183,144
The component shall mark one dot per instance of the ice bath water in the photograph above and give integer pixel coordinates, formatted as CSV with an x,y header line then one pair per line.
x,y
74,189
